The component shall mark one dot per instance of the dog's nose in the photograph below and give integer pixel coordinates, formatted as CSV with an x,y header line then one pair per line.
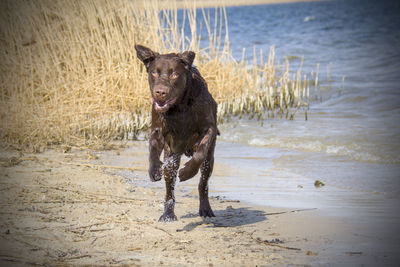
x,y
160,92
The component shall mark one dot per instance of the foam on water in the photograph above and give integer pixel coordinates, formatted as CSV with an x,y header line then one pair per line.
x,y
352,139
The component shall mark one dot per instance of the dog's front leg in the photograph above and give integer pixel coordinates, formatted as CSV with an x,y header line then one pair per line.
x,y
170,169
191,167
156,144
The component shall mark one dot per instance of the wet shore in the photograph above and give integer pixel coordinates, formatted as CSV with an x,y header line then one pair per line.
x,y
75,207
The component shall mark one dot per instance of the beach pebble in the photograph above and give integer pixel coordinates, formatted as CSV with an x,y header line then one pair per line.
x,y
310,253
318,184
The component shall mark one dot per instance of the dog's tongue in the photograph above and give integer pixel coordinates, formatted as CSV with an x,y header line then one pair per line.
x,y
162,106
161,103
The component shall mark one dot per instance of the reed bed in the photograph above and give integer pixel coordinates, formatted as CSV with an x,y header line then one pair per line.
x,y
69,72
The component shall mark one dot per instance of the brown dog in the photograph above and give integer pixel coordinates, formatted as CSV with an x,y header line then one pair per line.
x,y
184,121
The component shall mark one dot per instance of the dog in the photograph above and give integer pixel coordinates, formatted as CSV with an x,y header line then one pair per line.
x,y
184,121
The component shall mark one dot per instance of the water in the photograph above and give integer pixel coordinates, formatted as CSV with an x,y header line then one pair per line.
x,y
351,139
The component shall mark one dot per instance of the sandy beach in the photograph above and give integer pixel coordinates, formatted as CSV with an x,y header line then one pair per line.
x,y
66,207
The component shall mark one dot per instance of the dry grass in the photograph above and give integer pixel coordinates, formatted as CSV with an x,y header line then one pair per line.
x,y
69,72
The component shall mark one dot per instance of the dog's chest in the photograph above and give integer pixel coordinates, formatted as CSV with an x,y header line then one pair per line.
x,y
180,134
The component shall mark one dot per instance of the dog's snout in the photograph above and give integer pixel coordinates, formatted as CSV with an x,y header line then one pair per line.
x,y
160,92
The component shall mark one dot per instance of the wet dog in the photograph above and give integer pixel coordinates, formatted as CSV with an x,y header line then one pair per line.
x,y
184,121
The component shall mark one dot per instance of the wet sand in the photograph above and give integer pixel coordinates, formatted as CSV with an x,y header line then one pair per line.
x,y
68,208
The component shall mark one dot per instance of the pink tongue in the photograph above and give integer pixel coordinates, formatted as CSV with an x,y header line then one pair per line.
x,y
157,103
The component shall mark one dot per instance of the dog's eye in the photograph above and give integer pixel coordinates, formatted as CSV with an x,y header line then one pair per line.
x,y
154,73
174,75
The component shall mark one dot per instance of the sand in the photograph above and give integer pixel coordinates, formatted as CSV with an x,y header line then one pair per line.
x,y
60,208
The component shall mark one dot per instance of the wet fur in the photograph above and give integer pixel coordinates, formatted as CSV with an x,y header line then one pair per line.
x,y
184,117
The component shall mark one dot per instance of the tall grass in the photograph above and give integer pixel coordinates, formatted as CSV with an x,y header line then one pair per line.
x,y
69,72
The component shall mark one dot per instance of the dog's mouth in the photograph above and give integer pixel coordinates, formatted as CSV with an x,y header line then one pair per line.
x,y
163,106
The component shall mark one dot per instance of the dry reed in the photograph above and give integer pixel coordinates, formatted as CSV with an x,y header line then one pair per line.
x,y
69,72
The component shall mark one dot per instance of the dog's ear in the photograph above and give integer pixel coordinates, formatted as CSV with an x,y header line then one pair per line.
x,y
146,55
188,57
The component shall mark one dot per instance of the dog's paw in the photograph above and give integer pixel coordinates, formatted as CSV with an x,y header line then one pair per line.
x,y
190,169
205,210
206,213
155,171
168,217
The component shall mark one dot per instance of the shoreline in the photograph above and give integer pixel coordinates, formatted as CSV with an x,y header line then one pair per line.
x,y
62,208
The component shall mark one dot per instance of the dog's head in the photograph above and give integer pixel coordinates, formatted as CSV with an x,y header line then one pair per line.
x,y
168,75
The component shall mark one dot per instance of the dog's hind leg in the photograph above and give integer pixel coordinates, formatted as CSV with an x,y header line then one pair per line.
x,y
206,170
170,169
